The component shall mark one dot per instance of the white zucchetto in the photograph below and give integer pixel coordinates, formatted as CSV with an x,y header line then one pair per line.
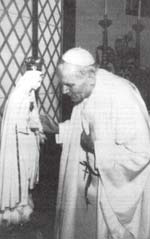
x,y
78,56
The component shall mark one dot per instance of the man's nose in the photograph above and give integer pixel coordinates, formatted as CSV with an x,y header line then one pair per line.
x,y
65,89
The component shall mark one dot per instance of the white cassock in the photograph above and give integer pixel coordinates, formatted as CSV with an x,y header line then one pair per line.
x,y
116,117
19,152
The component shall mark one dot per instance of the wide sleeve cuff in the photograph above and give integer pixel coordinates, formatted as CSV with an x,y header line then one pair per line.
x,y
63,129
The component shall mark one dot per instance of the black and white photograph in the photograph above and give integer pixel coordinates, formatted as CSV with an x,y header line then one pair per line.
x,y
74,119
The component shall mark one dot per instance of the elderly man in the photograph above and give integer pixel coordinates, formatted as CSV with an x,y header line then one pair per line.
x,y
21,131
104,189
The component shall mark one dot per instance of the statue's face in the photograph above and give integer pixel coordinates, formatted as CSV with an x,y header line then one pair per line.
x,y
37,79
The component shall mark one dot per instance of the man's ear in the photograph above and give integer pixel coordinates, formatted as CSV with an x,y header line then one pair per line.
x,y
91,77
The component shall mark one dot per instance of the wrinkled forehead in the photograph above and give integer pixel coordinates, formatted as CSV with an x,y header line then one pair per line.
x,y
68,73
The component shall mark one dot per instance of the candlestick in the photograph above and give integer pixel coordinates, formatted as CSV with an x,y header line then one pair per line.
x,y
102,50
106,8
138,28
139,10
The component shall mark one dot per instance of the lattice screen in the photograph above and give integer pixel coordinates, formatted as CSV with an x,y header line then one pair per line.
x,y
16,44
49,38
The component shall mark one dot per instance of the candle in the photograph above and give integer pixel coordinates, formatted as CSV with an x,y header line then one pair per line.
x,y
139,10
105,11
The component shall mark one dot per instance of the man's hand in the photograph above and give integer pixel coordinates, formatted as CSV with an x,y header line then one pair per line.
x,y
42,137
49,125
87,143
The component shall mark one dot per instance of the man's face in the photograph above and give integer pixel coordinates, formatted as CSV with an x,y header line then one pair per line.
x,y
78,88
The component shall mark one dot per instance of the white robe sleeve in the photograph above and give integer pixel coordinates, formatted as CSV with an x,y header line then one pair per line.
x,y
63,129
